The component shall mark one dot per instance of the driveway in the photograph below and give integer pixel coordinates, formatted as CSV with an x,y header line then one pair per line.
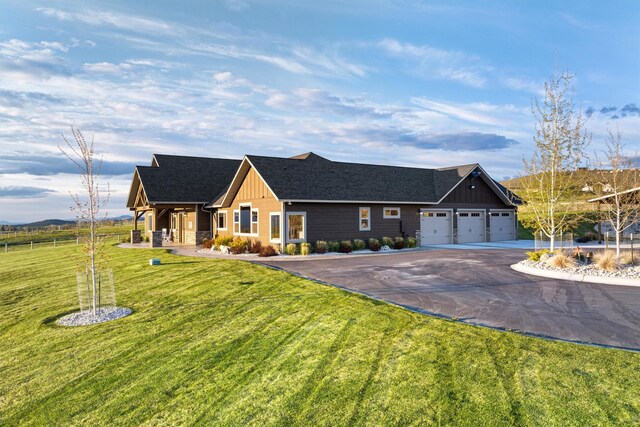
x,y
478,286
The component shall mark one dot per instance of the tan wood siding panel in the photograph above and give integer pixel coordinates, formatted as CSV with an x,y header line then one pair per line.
x,y
253,187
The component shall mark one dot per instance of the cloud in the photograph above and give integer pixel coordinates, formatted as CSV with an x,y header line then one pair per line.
x,y
55,164
236,5
614,113
630,109
24,192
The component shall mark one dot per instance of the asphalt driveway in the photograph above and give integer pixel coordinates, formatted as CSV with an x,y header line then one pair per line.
x,y
479,287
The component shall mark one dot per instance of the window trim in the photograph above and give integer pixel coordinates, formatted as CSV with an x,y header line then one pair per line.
x,y
279,215
385,216
304,227
251,222
236,224
226,223
360,218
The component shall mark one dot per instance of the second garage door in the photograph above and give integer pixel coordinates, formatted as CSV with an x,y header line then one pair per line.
x,y
471,226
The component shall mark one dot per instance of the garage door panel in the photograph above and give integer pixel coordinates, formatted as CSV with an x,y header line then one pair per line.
x,y
435,227
471,226
502,226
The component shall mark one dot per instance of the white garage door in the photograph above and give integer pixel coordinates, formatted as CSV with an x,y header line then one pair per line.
x,y
470,226
435,227
502,226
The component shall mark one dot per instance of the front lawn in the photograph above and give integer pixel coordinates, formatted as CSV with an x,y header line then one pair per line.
x,y
223,342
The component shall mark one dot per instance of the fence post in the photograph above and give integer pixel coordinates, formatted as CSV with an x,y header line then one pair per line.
x,y
606,240
631,248
77,241
118,238
32,245
6,248
54,243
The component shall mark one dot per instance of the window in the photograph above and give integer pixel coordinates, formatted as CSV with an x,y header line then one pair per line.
x,y
254,221
222,220
365,219
296,226
463,213
505,213
475,213
388,213
495,213
441,214
274,220
236,221
245,219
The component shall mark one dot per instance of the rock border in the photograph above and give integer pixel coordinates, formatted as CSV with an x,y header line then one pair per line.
x,y
577,277
86,318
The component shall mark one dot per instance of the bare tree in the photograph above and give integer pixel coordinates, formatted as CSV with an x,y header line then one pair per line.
x,y
621,209
551,175
87,209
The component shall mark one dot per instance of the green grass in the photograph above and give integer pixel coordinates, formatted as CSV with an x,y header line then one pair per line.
x,y
42,235
583,222
217,342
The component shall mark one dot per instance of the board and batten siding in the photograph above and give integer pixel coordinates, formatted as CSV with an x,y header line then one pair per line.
x,y
341,221
253,190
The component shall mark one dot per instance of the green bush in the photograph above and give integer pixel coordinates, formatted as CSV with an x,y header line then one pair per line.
x,y
266,251
536,255
374,245
321,247
223,241
345,246
238,246
126,239
398,243
305,248
388,241
411,242
359,245
291,249
333,246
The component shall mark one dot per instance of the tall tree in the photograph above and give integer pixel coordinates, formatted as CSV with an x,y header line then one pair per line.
x,y
551,175
88,208
621,174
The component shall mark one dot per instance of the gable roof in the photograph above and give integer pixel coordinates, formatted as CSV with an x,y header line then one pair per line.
x,y
310,177
182,179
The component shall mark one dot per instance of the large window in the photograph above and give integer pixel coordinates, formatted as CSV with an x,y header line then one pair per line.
x,y
365,219
388,213
296,226
245,220
274,233
222,220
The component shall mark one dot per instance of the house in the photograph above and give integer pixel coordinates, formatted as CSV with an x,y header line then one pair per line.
x,y
169,196
307,198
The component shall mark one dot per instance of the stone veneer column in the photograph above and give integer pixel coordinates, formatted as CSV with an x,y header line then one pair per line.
x,y
136,236
156,239
201,236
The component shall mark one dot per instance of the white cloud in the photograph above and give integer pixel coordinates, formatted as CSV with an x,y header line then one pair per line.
x,y
236,5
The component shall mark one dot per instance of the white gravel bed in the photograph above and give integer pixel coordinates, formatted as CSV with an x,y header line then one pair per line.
x,y
87,317
626,272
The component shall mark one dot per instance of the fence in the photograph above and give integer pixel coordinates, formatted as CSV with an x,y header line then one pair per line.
x,y
48,243
561,241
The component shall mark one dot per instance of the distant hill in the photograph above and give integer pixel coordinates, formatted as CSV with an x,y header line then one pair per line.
x,y
592,181
48,222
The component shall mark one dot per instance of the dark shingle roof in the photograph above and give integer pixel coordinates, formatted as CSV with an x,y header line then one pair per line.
x,y
185,179
311,177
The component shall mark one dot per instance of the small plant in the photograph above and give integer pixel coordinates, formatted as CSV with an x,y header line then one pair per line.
x,y
223,241
291,249
411,242
333,246
345,246
359,245
305,248
536,255
388,241
321,247
266,251
207,243
374,245
126,239
255,247
606,260
398,243
238,246
561,260
629,258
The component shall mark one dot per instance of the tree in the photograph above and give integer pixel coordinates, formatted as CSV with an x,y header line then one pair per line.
x,y
622,209
551,175
88,210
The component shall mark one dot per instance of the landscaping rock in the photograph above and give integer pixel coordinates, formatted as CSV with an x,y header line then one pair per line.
x,y
87,318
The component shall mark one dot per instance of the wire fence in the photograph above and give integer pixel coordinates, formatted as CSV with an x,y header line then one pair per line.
x,y
561,241
61,242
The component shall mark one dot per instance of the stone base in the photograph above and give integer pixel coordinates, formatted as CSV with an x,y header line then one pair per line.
x,y
196,237
136,236
156,239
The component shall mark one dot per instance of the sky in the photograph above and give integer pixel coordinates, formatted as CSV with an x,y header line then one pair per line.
x,y
411,83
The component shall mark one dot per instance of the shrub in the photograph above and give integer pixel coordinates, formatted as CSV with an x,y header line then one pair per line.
x,y
606,260
345,246
374,245
255,247
238,246
207,243
411,242
359,245
536,255
561,260
126,239
223,241
321,247
266,251
333,246
305,248
398,243
627,259
388,241
291,249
